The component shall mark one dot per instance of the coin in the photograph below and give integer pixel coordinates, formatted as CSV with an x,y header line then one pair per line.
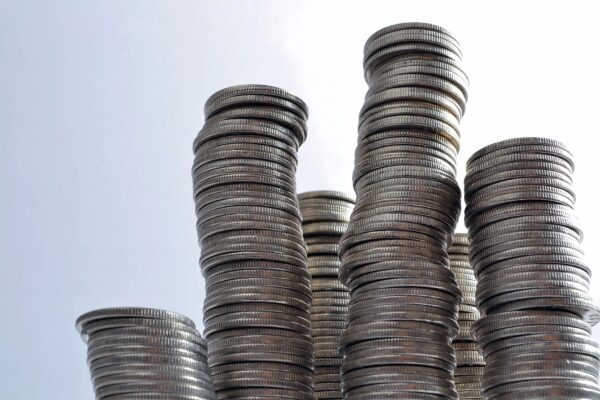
x,y
465,345
325,216
404,301
143,352
252,250
533,282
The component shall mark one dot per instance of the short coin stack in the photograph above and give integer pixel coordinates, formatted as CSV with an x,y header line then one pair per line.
x,y
258,295
404,299
533,283
325,218
469,361
144,353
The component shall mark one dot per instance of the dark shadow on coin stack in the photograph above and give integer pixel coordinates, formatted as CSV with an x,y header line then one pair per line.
x,y
325,216
469,361
144,353
404,298
532,280
253,256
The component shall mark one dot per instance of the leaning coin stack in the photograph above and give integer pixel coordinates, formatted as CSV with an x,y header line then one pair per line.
x,y
325,216
404,298
144,353
532,280
253,256
469,361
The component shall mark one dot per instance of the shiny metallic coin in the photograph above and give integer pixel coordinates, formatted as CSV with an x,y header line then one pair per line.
x,y
132,312
276,115
549,385
111,323
512,143
217,105
422,94
262,392
153,386
219,128
406,48
583,307
420,80
417,35
254,89
518,157
135,351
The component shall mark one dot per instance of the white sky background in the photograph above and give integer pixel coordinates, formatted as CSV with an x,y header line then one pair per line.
x,y
100,102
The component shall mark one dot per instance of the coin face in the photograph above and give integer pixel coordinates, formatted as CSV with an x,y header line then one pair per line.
x,y
143,352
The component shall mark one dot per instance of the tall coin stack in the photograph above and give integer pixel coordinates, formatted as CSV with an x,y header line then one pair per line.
x,y
325,218
144,353
404,298
533,282
469,361
253,256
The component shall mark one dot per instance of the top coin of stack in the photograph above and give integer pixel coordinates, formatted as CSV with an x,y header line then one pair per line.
x,y
325,216
403,297
469,361
144,353
533,282
258,295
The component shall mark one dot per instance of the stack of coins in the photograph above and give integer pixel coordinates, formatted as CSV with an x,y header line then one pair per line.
x,y
469,361
533,282
404,299
253,256
325,217
144,353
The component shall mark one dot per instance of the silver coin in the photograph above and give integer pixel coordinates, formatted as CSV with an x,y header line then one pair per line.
x,y
422,94
406,48
257,320
418,35
218,128
404,66
420,80
512,143
252,307
509,158
153,386
216,105
548,384
235,151
253,393
91,328
275,115
410,141
253,89
132,312
255,294
261,356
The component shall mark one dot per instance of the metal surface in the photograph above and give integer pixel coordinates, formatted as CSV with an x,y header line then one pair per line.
x,y
404,299
325,216
532,280
258,289
468,374
145,353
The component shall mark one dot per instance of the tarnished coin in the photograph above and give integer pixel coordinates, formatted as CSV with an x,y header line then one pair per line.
x,y
325,218
145,352
258,286
533,283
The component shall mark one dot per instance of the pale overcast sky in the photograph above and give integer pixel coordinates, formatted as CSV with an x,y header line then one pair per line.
x,y
100,102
